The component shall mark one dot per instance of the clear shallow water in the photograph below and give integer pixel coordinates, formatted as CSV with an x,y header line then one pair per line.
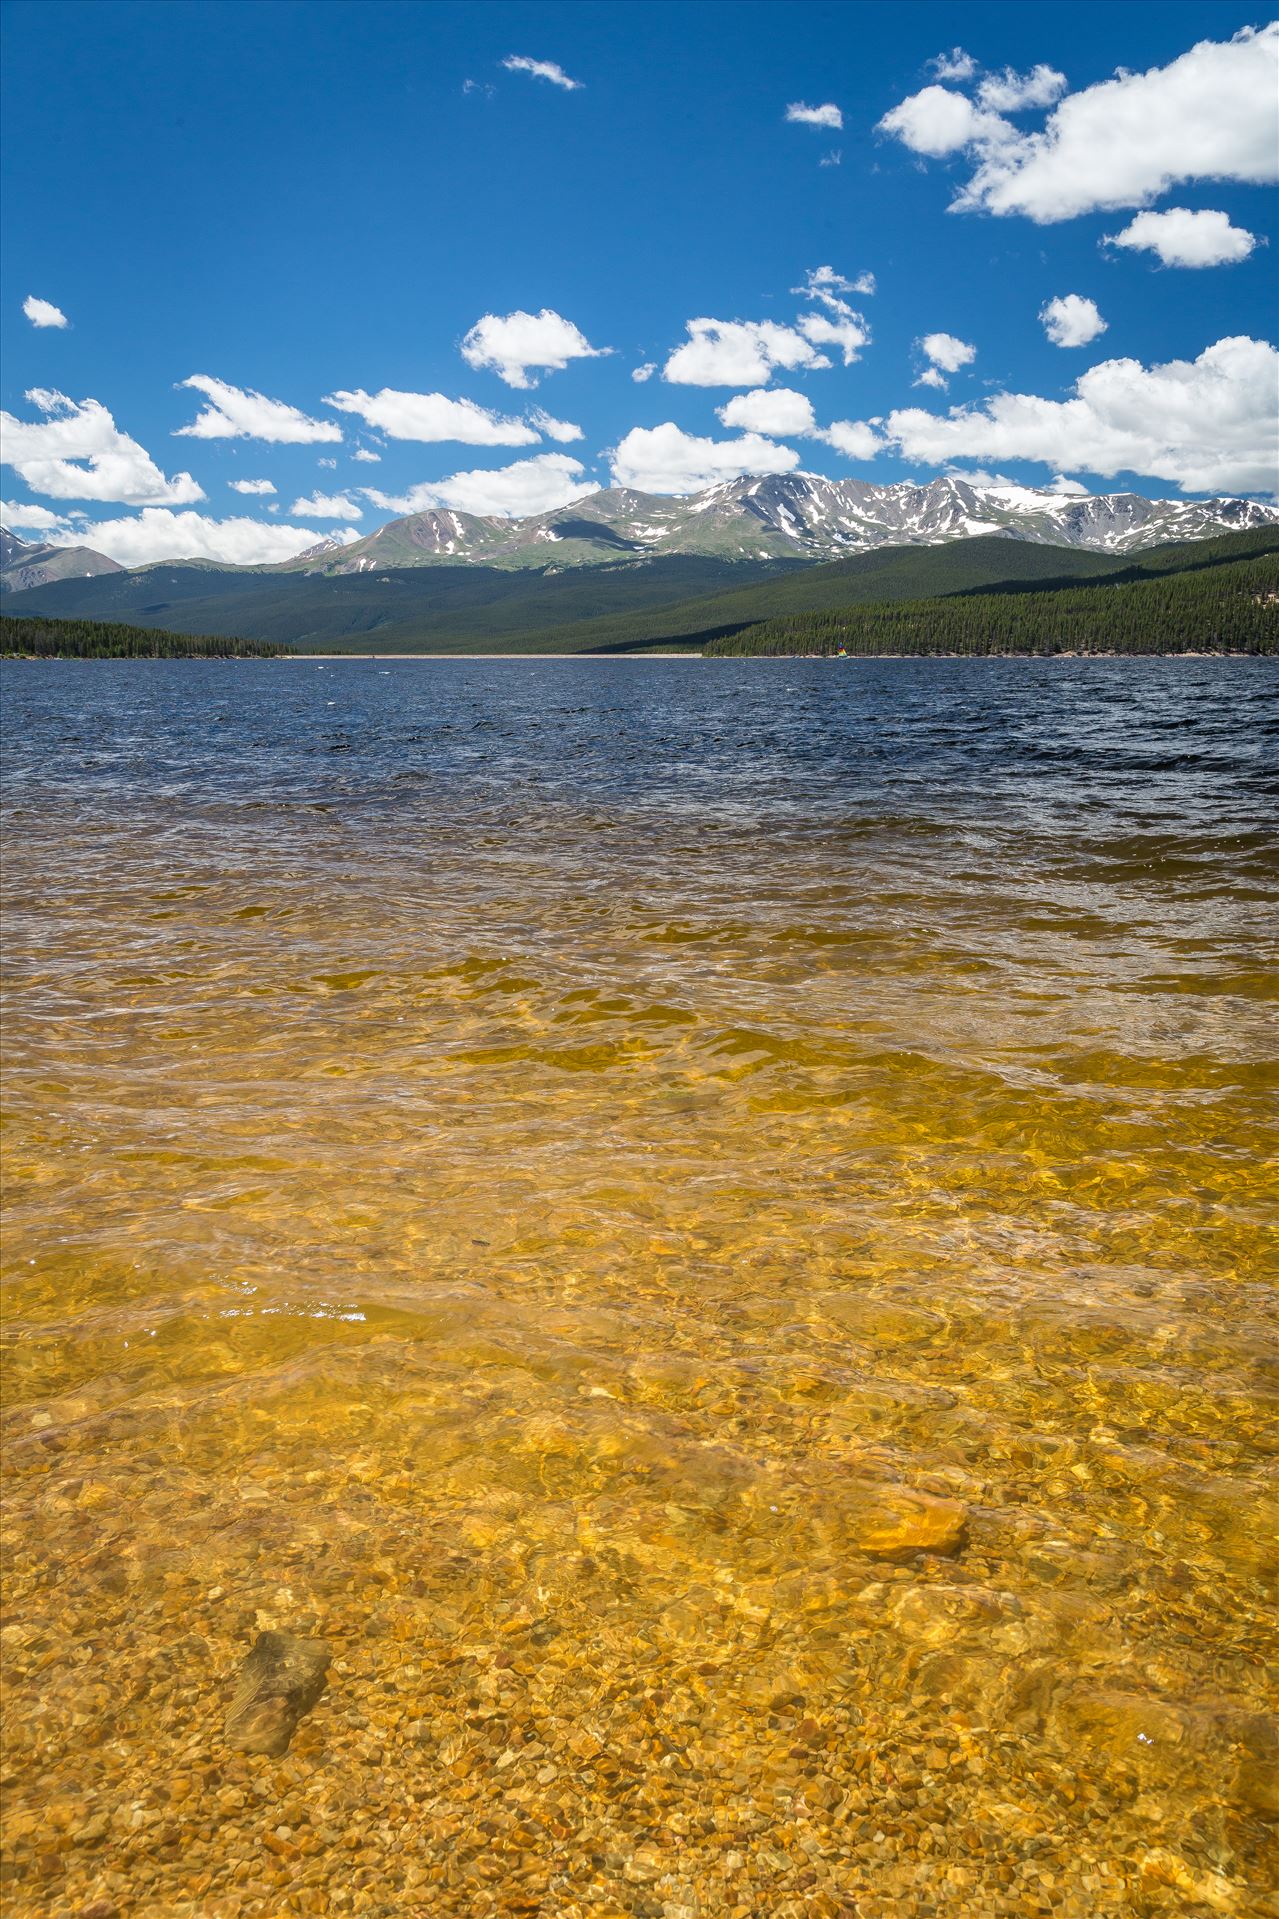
x,y
705,1223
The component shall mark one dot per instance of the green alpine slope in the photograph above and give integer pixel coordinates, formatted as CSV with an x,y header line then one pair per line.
x,y
1230,605
413,609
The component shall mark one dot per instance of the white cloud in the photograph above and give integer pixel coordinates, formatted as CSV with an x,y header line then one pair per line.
x,y
15,513
43,312
251,486
367,455
1208,425
1010,92
738,353
432,416
780,411
1208,115
329,506
849,335
827,116
562,430
330,464
932,376
1185,239
541,70
856,438
1069,489
823,283
936,121
840,326
157,534
946,352
509,344
776,410
665,459
236,413
955,65
1071,320
978,476
641,373
834,158
77,452
536,485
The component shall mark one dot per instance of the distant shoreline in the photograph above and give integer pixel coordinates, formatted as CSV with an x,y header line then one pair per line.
x,y
847,658
603,659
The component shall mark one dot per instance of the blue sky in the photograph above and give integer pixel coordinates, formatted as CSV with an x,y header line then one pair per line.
x,y
300,202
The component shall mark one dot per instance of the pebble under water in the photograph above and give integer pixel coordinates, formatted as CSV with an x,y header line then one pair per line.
x,y
701,1228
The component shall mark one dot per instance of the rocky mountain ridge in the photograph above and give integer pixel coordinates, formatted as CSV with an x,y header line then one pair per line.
x,y
793,518
28,563
786,517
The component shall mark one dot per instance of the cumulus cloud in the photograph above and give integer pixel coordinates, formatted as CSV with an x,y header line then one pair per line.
x,y
936,121
1068,489
562,430
509,344
1071,320
541,70
77,452
641,373
328,506
1207,425
947,354
772,411
237,413
529,486
158,534
857,438
432,416
43,312
738,353
1185,239
1208,115
367,455
827,116
849,334
25,513
978,476
665,459
824,284
780,411
1010,92
955,65
251,486
932,376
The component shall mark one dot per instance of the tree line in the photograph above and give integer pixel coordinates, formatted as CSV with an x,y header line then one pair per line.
x,y
1228,608
27,637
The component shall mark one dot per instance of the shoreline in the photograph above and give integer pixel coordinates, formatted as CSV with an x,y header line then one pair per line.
x,y
604,659
850,658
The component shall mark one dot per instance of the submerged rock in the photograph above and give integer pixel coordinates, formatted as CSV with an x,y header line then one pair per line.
x,y
901,1523
281,1678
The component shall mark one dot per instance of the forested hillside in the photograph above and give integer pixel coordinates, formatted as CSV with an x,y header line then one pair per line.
x,y
1228,607
38,639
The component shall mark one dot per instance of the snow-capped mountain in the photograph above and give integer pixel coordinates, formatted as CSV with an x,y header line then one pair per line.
x,y
795,516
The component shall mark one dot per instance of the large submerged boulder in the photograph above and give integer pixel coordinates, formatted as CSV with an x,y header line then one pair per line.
x,y
280,1680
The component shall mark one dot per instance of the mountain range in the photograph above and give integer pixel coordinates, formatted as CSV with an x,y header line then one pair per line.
x,y
784,517
622,569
